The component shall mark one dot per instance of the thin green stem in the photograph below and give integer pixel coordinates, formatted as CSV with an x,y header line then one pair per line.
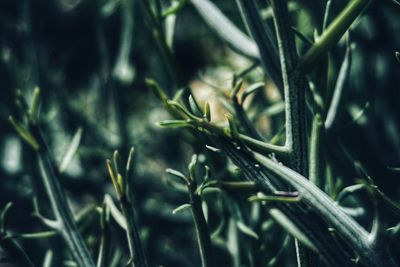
x,y
335,105
138,258
263,38
257,145
105,238
241,186
202,231
123,187
159,37
242,116
333,33
16,253
65,223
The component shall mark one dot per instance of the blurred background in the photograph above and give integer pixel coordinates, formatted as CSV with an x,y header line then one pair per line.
x,y
91,58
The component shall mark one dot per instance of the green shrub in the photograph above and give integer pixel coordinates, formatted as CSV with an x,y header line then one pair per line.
x,y
288,110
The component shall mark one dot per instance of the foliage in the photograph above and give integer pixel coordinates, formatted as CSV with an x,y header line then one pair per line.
x,y
287,109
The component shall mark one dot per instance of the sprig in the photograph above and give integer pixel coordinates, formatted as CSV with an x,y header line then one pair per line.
x,y
122,188
195,203
64,222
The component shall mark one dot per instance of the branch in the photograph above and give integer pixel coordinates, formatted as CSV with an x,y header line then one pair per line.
x,y
333,33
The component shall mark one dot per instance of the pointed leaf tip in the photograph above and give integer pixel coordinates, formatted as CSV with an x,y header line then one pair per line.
x,y
24,133
194,107
181,208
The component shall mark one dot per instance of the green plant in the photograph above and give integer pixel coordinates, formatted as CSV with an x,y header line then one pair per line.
x,y
271,178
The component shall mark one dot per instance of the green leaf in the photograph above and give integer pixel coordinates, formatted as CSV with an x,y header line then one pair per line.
x,y
129,162
237,88
217,21
263,36
192,168
156,88
333,33
115,212
178,174
24,133
173,123
213,149
175,7
348,191
233,130
268,198
326,14
394,169
34,109
117,161
48,258
115,179
71,150
181,208
3,213
247,230
336,104
207,111
183,111
123,71
252,89
194,107
394,231
291,228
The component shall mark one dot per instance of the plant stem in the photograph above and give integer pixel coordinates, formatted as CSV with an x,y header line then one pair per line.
x,y
244,119
356,236
336,103
158,34
138,257
262,36
315,228
64,223
295,86
16,253
203,235
252,143
333,33
241,186
105,236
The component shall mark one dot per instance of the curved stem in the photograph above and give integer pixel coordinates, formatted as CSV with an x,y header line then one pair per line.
x,y
356,236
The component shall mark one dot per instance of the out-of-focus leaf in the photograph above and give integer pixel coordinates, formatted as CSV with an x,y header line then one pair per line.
x,y
181,208
291,228
226,29
247,230
71,151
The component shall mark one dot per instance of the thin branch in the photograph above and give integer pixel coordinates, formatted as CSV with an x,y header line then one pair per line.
x,y
333,33
263,38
